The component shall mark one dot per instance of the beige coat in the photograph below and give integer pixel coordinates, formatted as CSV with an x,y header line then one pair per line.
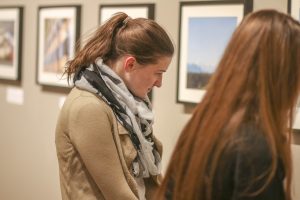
x,y
95,152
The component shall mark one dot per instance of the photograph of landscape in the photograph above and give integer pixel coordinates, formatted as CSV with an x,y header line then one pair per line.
x,y
207,39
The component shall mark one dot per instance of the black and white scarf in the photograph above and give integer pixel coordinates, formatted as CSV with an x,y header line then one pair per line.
x,y
133,113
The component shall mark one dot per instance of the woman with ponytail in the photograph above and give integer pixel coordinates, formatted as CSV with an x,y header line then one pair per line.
x,y
236,146
104,140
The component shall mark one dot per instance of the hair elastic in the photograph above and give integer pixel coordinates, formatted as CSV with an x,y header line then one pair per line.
x,y
126,20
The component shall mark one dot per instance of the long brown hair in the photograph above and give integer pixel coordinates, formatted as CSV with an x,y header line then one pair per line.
x,y
256,80
142,38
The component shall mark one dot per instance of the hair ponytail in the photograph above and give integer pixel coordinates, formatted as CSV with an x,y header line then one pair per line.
x,y
101,44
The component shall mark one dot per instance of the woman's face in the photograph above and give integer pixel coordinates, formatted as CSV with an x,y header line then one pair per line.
x,y
140,79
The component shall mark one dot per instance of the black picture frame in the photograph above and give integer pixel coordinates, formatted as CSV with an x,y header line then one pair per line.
x,y
200,47
146,10
11,29
58,31
293,8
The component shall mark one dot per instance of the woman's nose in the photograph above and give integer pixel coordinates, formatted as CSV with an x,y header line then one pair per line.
x,y
158,82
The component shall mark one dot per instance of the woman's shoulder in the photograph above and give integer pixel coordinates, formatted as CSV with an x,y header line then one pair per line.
x,y
250,157
82,97
80,100
249,145
248,136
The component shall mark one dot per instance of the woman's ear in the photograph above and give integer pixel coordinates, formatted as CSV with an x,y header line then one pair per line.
x,y
129,63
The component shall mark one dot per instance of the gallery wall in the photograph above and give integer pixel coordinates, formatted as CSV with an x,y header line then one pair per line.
x,y
28,167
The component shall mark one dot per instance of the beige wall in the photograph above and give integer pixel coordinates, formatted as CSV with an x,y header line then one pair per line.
x,y
28,167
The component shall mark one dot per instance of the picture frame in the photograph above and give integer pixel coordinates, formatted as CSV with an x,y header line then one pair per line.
x,y
294,8
205,28
11,27
296,123
58,31
294,11
133,10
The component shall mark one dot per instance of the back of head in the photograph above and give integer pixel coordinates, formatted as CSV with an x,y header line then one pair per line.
x,y
120,35
257,80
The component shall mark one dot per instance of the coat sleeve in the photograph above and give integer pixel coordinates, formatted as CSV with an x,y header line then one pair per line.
x,y
91,134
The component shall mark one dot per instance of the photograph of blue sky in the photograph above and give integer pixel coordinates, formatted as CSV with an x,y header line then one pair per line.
x,y
207,39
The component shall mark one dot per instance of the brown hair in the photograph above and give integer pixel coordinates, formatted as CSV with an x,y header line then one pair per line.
x,y
256,80
120,35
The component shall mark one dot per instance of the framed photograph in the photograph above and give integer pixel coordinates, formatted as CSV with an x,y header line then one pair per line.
x,y
132,10
296,124
294,11
10,42
58,31
205,29
294,8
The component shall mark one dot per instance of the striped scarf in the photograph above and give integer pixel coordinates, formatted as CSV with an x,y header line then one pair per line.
x,y
133,113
